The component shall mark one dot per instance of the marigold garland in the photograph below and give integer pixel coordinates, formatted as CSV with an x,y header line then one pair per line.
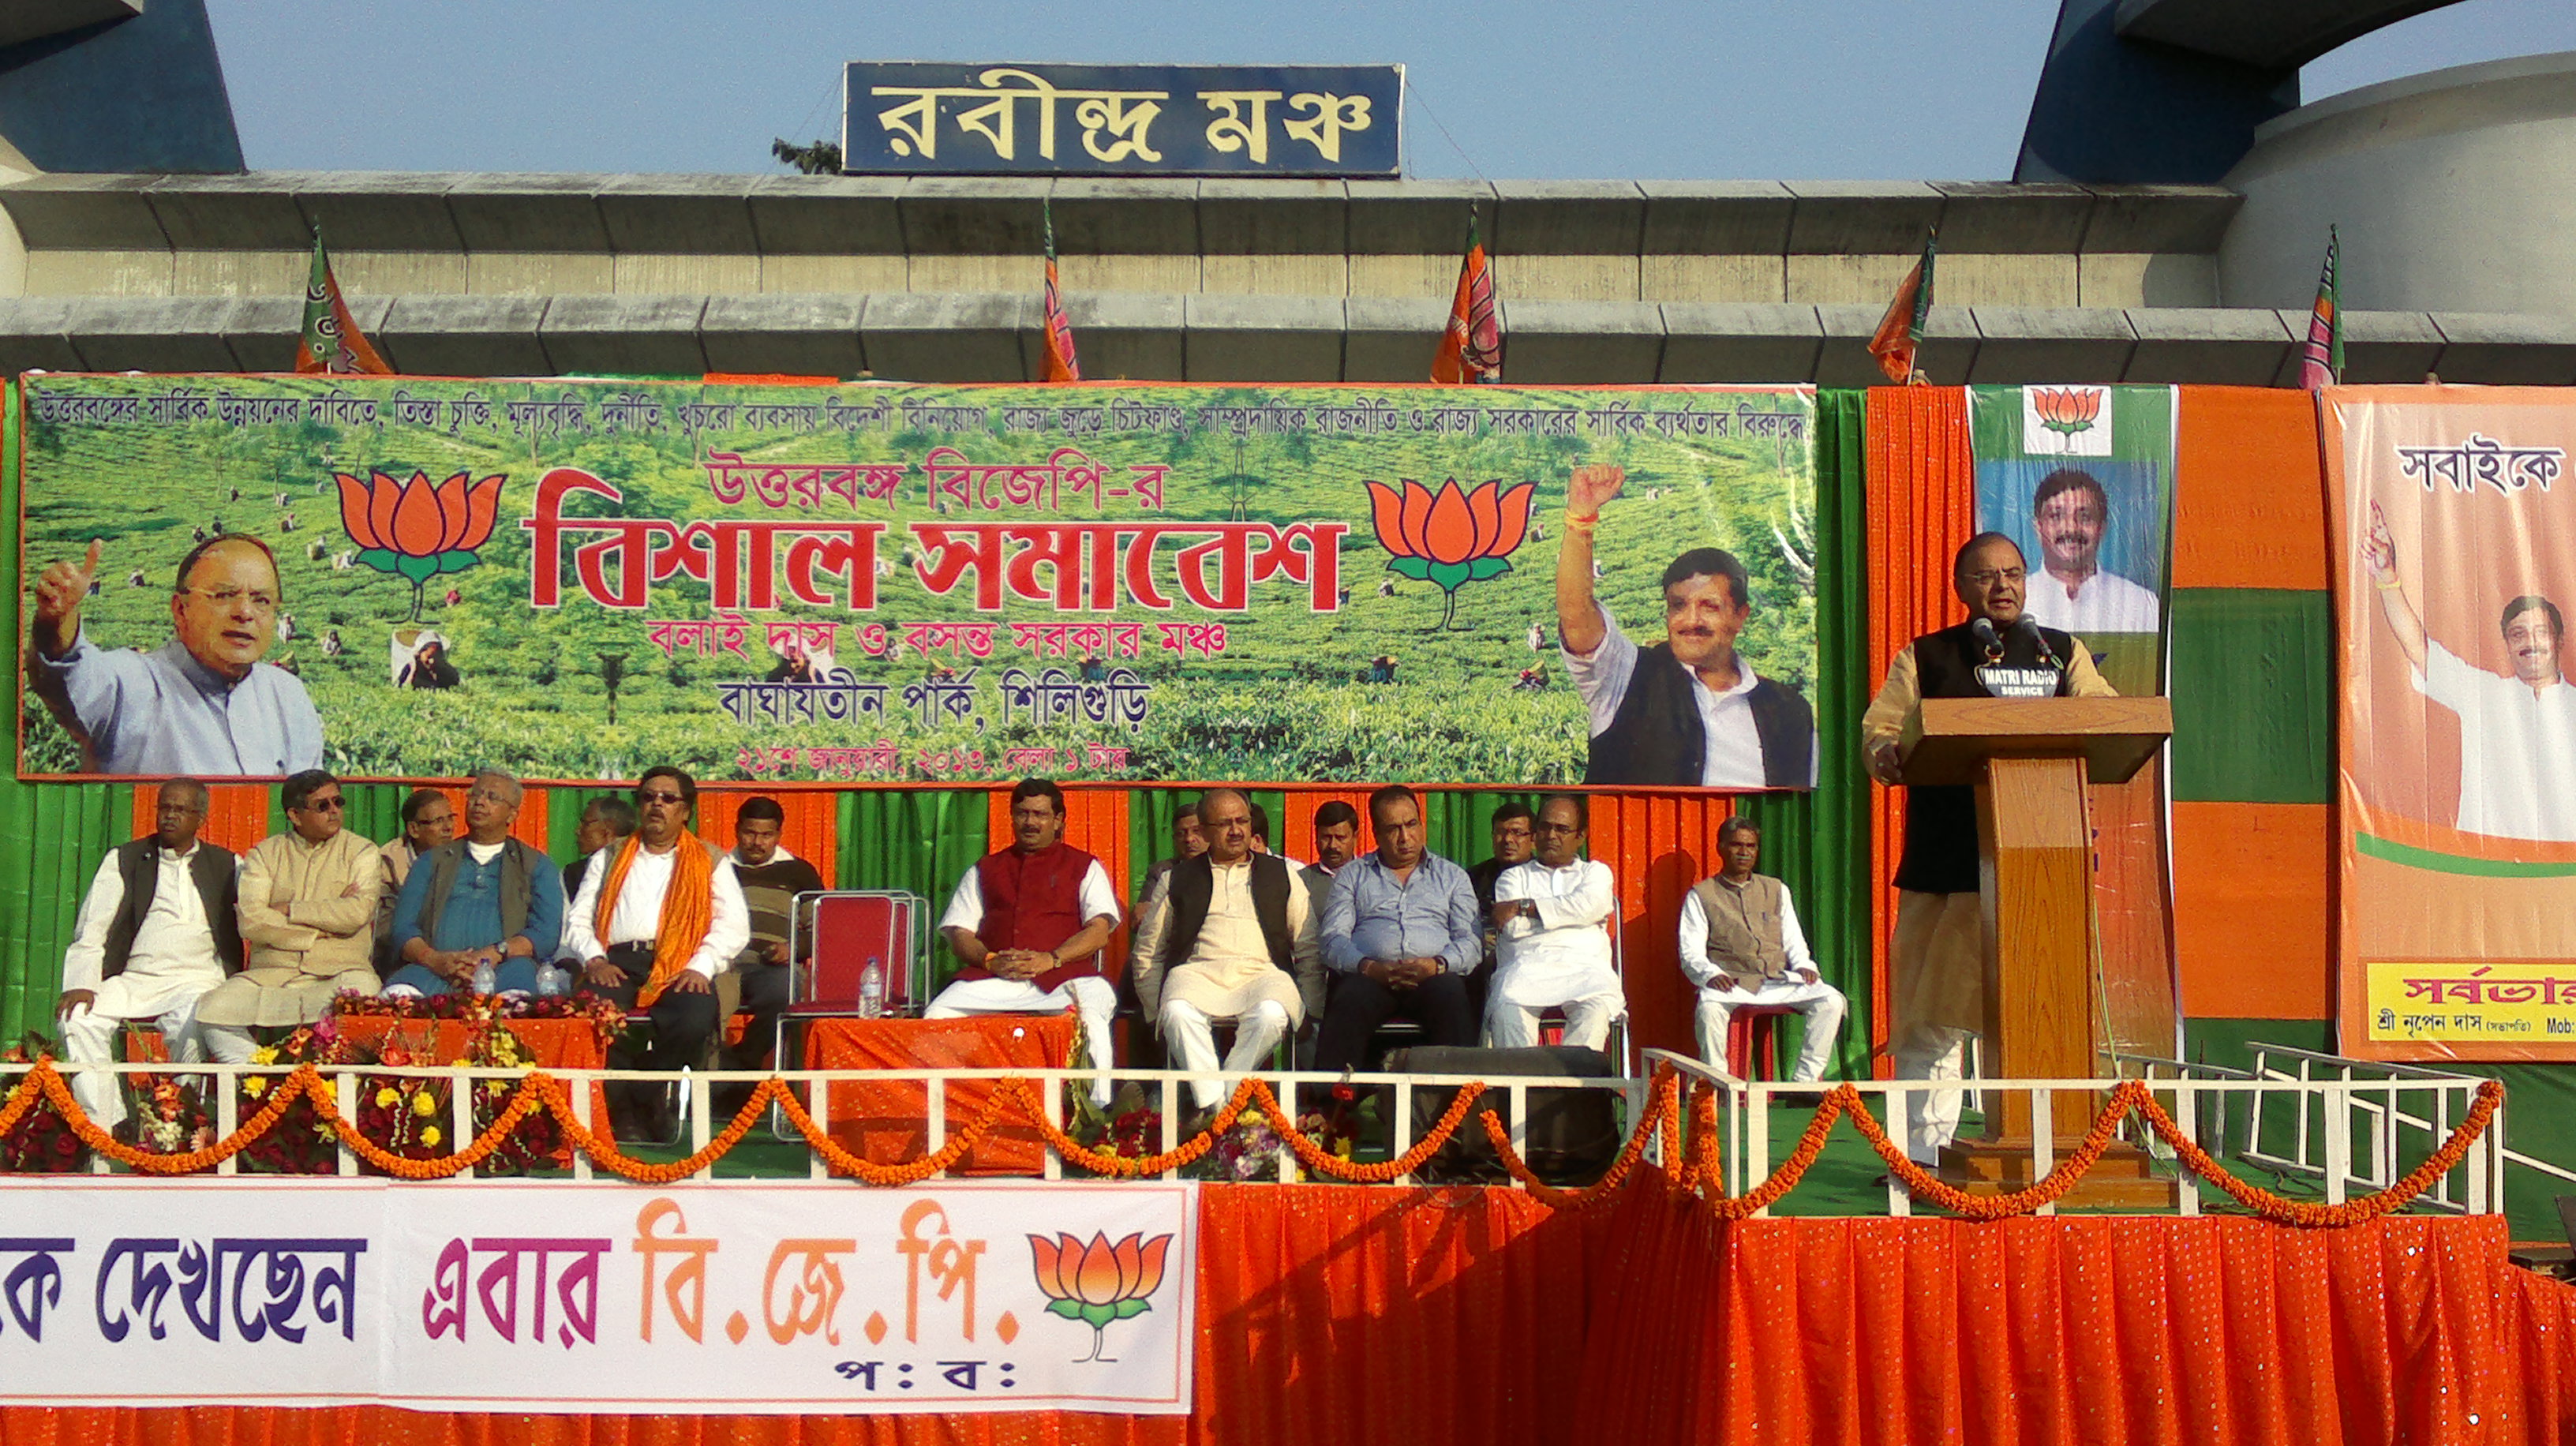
x,y
1687,1128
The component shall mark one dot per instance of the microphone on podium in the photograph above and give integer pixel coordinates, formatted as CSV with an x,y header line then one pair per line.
x,y
2047,654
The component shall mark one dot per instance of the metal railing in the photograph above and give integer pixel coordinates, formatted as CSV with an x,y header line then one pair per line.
x,y
2204,1102
2397,1114
223,1101
2385,1107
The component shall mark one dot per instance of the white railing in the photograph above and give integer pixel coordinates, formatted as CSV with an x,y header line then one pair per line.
x,y
2383,1104
2399,1118
2202,1101
223,1101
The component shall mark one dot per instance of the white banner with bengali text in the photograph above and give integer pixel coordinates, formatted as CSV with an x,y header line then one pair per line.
x,y
598,1298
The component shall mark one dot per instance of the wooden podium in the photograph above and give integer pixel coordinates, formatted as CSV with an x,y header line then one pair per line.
x,y
2029,760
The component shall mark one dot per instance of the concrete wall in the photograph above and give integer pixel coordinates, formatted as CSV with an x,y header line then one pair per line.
x,y
1813,243
2453,191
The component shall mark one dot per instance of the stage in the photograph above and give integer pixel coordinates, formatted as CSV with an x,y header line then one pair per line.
x,y
1351,1314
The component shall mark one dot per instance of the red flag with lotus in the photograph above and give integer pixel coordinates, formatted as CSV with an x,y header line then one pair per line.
x,y
1060,363
1900,332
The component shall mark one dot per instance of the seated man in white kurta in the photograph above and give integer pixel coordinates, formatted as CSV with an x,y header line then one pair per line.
x,y
1551,948
156,932
1741,944
1227,940
1027,922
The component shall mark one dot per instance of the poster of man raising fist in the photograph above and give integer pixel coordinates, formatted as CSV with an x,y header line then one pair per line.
x,y
202,704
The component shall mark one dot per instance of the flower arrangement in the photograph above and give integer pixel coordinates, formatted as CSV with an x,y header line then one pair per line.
x,y
1249,1150
301,1144
607,1020
42,1142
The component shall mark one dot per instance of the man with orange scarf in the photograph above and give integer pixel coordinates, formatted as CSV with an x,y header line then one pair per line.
x,y
657,916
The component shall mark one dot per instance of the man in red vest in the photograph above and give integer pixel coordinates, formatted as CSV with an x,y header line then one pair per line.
x,y
1028,923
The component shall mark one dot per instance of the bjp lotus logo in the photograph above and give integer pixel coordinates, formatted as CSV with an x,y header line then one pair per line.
x,y
1099,1282
1451,537
418,529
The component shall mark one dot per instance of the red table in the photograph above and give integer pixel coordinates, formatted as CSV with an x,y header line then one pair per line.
x,y
886,1123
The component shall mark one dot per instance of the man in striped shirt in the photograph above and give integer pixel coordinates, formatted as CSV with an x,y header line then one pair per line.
x,y
771,878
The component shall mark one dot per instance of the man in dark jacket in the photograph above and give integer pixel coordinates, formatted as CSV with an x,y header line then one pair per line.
x,y
156,932
1688,710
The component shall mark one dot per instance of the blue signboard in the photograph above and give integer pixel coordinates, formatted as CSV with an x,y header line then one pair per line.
x,y
914,118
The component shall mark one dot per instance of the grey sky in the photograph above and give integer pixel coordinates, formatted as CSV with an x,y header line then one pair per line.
x,y
1867,89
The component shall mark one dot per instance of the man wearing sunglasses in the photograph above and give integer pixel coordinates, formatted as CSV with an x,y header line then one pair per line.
x,y
203,703
308,913
656,917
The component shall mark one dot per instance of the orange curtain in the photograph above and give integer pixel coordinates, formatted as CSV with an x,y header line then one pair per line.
x,y
2074,1329
1472,1317
1922,505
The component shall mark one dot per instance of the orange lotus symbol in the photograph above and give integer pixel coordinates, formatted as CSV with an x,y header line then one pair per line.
x,y
1451,537
418,529
2067,410
1099,1282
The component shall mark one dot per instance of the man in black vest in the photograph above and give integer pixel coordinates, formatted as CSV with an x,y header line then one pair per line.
x,y
1228,939
156,932
1689,710
1937,958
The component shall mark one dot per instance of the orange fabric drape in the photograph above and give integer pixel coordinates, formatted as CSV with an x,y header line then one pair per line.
x,y
883,1123
2075,1329
1921,502
1479,1318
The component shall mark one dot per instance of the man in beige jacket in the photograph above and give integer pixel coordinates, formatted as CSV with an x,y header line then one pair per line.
x,y
1230,938
308,911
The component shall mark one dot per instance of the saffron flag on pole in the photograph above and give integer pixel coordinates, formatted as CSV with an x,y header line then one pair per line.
x,y
1900,332
332,341
2321,355
1060,363
1471,350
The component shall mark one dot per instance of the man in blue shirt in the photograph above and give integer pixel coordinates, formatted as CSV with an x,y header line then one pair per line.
x,y
484,898
201,704
1400,936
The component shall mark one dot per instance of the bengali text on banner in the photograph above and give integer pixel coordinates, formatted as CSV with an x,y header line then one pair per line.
x,y
599,1298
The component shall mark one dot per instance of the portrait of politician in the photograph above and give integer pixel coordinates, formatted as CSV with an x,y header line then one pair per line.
x,y
2070,514
201,704
2517,733
1690,709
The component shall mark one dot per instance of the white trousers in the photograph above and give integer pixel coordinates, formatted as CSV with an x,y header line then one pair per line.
x,y
1192,1035
229,1044
89,1035
1930,1051
1092,999
1587,1020
1821,1005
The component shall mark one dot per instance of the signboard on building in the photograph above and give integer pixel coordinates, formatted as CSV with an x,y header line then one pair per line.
x,y
926,118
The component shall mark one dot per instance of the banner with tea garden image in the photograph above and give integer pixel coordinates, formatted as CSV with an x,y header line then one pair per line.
x,y
879,583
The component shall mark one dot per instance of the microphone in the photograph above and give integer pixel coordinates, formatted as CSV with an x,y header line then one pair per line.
x,y
1983,630
2046,655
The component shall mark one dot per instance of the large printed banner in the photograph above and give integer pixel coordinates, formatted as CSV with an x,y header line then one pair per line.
x,y
2455,559
598,1298
399,578
2082,478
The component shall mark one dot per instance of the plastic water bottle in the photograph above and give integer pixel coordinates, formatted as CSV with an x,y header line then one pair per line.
x,y
487,980
550,981
872,990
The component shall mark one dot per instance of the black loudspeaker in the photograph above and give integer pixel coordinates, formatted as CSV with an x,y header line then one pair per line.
x,y
1573,1136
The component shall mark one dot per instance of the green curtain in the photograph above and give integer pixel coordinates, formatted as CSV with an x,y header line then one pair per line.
x,y
1818,843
